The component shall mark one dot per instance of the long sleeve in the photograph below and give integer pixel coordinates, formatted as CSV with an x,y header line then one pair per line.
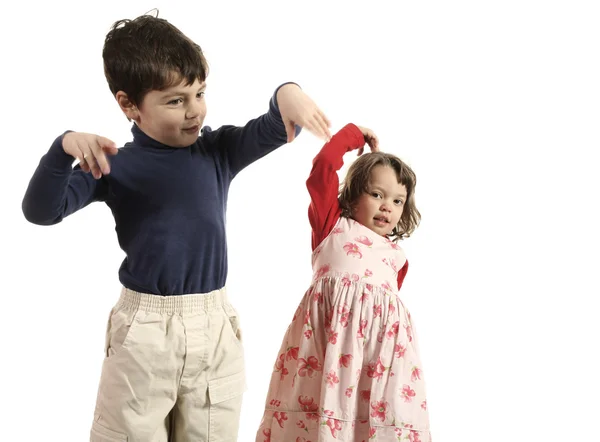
x,y
402,274
323,182
240,146
56,190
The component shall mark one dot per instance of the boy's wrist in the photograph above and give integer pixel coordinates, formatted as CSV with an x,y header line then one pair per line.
x,y
282,89
56,156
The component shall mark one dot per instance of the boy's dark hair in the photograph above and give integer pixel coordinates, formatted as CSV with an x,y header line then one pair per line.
x,y
357,182
149,53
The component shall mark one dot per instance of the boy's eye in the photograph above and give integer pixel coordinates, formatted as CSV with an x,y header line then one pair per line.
x,y
201,94
375,195
176,101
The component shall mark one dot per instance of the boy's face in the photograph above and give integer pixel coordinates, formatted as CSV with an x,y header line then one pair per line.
x,y
380,208
173,116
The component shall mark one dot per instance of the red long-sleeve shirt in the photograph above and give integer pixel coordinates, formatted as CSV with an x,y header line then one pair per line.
x,y
323,185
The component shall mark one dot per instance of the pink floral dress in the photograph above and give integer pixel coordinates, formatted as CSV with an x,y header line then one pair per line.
x,y
348,368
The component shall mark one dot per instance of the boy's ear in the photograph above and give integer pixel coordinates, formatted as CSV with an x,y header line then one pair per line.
x,y
127,106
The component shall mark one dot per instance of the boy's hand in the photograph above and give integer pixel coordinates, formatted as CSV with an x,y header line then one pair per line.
x,y
370,138
91,151
297,108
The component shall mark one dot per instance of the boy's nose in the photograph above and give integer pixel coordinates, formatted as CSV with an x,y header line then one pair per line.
x,y
193,111
191,114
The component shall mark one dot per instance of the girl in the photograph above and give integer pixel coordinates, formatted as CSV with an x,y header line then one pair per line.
x,y
348,369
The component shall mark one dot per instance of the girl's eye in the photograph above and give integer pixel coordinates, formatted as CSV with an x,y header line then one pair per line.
x,y
398,202
375,195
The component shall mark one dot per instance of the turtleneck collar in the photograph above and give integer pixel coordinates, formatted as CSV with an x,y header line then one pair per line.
x,y
140,138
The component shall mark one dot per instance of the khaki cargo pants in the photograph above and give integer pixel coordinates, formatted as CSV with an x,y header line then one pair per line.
x,y
173,371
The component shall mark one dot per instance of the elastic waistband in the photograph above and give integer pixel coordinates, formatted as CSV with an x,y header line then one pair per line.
x,y
180,304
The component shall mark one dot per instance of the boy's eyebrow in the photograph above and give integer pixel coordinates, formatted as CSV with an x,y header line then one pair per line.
x,y
170,92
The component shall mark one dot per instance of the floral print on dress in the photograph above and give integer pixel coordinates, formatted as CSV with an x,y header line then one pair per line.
x,y
364,240
348,369
352,249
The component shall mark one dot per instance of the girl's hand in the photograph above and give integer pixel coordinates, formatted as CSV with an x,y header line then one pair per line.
x,y
91,151
370,138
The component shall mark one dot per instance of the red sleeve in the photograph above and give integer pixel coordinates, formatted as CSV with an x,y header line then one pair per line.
x,y
402,274
323,183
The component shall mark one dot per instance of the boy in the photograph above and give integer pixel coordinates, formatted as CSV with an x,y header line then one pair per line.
x,y
174,366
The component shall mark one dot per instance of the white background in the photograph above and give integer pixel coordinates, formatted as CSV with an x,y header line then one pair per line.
x,y
496,105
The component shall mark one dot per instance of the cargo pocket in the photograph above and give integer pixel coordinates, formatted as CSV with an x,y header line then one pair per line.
x,y
102,434
225,396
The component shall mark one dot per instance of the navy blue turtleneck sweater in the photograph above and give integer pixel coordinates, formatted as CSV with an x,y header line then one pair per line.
x,y
168,203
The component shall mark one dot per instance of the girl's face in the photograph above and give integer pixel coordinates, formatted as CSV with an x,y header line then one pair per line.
x,y
380,207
